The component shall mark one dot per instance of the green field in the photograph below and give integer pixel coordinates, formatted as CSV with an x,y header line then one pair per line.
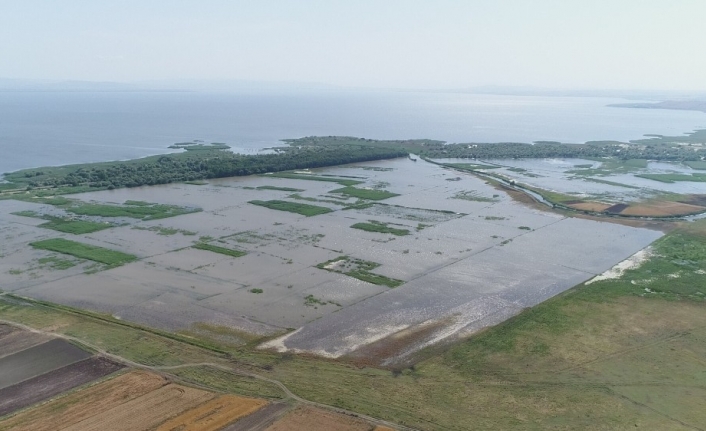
x,y
376,226
696,164
360,269
85,251
222,250
282,189
312,177
293,207
370,194
132,209
672,178
75,227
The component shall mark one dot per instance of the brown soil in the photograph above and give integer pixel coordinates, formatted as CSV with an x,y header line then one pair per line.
x,y
261,419
17,341
84,403
312,419
213,415
590,206
661,208
53,383
381,428
699,200
145,412
388,348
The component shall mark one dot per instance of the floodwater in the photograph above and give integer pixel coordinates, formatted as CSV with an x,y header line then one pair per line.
x,y
467,263
555,174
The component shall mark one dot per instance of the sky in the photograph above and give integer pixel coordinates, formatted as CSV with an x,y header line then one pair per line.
x,y
584,44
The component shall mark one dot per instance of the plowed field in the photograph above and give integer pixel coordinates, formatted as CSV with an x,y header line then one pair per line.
x,y
661,208
38,360
17,341
261,419
53,383
312,419
145,412
213,415
590,206
85,403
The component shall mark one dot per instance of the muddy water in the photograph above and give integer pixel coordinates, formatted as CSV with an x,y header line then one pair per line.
x,y
473,257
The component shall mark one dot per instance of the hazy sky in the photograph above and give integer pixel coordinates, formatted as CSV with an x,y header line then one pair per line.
x,y
633,44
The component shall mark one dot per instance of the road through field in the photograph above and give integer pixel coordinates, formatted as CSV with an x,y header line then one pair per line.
x,y
231,369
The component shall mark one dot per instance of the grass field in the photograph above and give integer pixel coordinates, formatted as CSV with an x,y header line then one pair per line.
x,y
672,178
612,354
696,164
222,250
370,194
85,251
293,207
360,269
312,177
376,226
132,209
282,189
66,225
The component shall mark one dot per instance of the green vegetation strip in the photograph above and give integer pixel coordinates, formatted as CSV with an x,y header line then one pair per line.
x,y
360,269
84,251
376,226
65,225
282,189
221,250
371,194
293,207
672,178
312,177
132,209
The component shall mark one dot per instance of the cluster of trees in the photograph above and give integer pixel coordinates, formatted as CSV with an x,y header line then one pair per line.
x,y
552,149
199,165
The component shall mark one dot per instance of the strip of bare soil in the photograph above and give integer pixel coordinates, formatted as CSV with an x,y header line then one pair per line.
x,y
313,419
53,383
261,419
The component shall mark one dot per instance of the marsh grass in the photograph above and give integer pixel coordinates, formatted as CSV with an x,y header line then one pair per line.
x,y
293,207
111,258
221,250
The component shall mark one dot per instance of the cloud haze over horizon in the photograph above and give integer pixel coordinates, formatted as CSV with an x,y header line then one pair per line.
x,y
598,44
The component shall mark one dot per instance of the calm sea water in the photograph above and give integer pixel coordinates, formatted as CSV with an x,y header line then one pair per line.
x,y
55,128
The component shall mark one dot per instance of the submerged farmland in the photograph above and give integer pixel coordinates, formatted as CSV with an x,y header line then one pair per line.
x,y
248,265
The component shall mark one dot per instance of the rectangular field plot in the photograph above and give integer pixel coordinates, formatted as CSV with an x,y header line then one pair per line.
x,y
38,360
312,419
34,390
259,420
145,412
213,415
80,405
17,340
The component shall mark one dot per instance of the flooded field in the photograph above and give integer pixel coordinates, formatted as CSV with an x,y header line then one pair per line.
x,y
470,257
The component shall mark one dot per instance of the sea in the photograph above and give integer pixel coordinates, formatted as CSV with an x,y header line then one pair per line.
x,y
58,128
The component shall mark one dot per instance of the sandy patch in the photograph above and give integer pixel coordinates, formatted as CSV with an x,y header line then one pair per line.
x,y
618,270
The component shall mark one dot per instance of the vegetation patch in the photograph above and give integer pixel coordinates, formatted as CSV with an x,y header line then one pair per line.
x,y
370,194
359,269
56,262
696,164
380,227
111,258
282,189
672,178
75,227
472,166
312,177
293,207
132,209
256,290
472,196
166,231
222,250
